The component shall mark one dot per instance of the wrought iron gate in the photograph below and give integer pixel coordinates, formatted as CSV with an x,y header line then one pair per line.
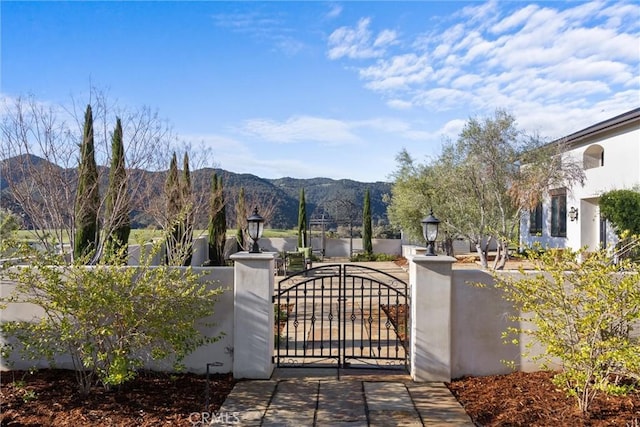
x,y
342,314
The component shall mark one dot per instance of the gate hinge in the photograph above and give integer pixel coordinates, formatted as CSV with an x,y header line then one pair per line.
x,y
273,299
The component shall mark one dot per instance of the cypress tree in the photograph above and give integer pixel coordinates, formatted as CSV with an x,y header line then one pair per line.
x,y
186,223
173,198
302,221
241,219
117,210
87,203
367,245
217,222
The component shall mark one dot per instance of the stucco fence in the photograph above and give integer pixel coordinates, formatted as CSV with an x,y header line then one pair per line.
x,y
334,248
455,327
218,354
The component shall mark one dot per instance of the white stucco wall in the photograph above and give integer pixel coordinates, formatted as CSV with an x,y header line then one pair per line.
x,y
479,316
333,247
220,352
338,248
621,170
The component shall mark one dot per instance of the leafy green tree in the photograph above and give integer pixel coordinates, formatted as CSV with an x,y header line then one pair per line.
x,y
302,221
180,213
415,191
367,245
241,219
117,219
110,319
621,208
480,185
217,223
87,204
581,315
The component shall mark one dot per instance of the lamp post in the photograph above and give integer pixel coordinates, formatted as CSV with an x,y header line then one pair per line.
x,y
430,232
255,226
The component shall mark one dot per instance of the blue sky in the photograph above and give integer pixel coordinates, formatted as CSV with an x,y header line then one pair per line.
x,y
330,89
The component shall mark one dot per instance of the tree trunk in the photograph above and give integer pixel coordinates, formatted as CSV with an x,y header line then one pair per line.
x,y
482,254
448,246
502,256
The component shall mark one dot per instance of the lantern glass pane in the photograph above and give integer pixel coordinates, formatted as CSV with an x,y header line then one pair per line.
x,y
253,230
431,232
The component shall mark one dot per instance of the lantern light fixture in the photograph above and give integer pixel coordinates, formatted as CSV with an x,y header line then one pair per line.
x,y
255,227
573,213
430,232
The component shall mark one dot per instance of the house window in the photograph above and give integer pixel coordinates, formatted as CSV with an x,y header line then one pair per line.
x,y
535,219
559,213
593,157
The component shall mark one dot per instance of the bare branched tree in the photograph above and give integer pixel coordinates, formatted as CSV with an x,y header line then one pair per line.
x,y
39,154
40,150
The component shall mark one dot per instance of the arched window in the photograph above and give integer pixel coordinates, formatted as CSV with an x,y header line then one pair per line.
x,y
593,157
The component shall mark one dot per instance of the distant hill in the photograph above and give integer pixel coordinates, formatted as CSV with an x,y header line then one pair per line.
x,y
336,199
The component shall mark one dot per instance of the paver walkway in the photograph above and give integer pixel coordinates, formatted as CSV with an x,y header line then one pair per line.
x,y
354,400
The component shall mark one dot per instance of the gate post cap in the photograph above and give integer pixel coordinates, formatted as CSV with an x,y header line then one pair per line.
x,y
253,256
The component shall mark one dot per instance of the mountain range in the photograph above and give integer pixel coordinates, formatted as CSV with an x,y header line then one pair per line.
x,y
340,201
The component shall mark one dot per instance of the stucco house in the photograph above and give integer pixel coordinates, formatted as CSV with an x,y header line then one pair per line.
x,y
610,154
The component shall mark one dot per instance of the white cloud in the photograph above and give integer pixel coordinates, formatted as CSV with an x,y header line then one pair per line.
x,y
452,128
516,56
401,71
466,81
581,68
443,99
334,11
385,38
358,43
619,14
263,27
399,104
515,20
301,129
484,14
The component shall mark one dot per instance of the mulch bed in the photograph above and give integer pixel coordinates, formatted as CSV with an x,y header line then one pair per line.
x,y
285,312
531,399
398,316
49,397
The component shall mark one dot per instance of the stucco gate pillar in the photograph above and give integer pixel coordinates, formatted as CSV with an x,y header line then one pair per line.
x,y
253,316
430,279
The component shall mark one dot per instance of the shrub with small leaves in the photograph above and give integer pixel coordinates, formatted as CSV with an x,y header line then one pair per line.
x,y
583,315
110,319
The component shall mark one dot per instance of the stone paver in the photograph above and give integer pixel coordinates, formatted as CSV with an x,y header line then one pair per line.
x,y
390,404
436,405
354,401
249,401
293,403
341,403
